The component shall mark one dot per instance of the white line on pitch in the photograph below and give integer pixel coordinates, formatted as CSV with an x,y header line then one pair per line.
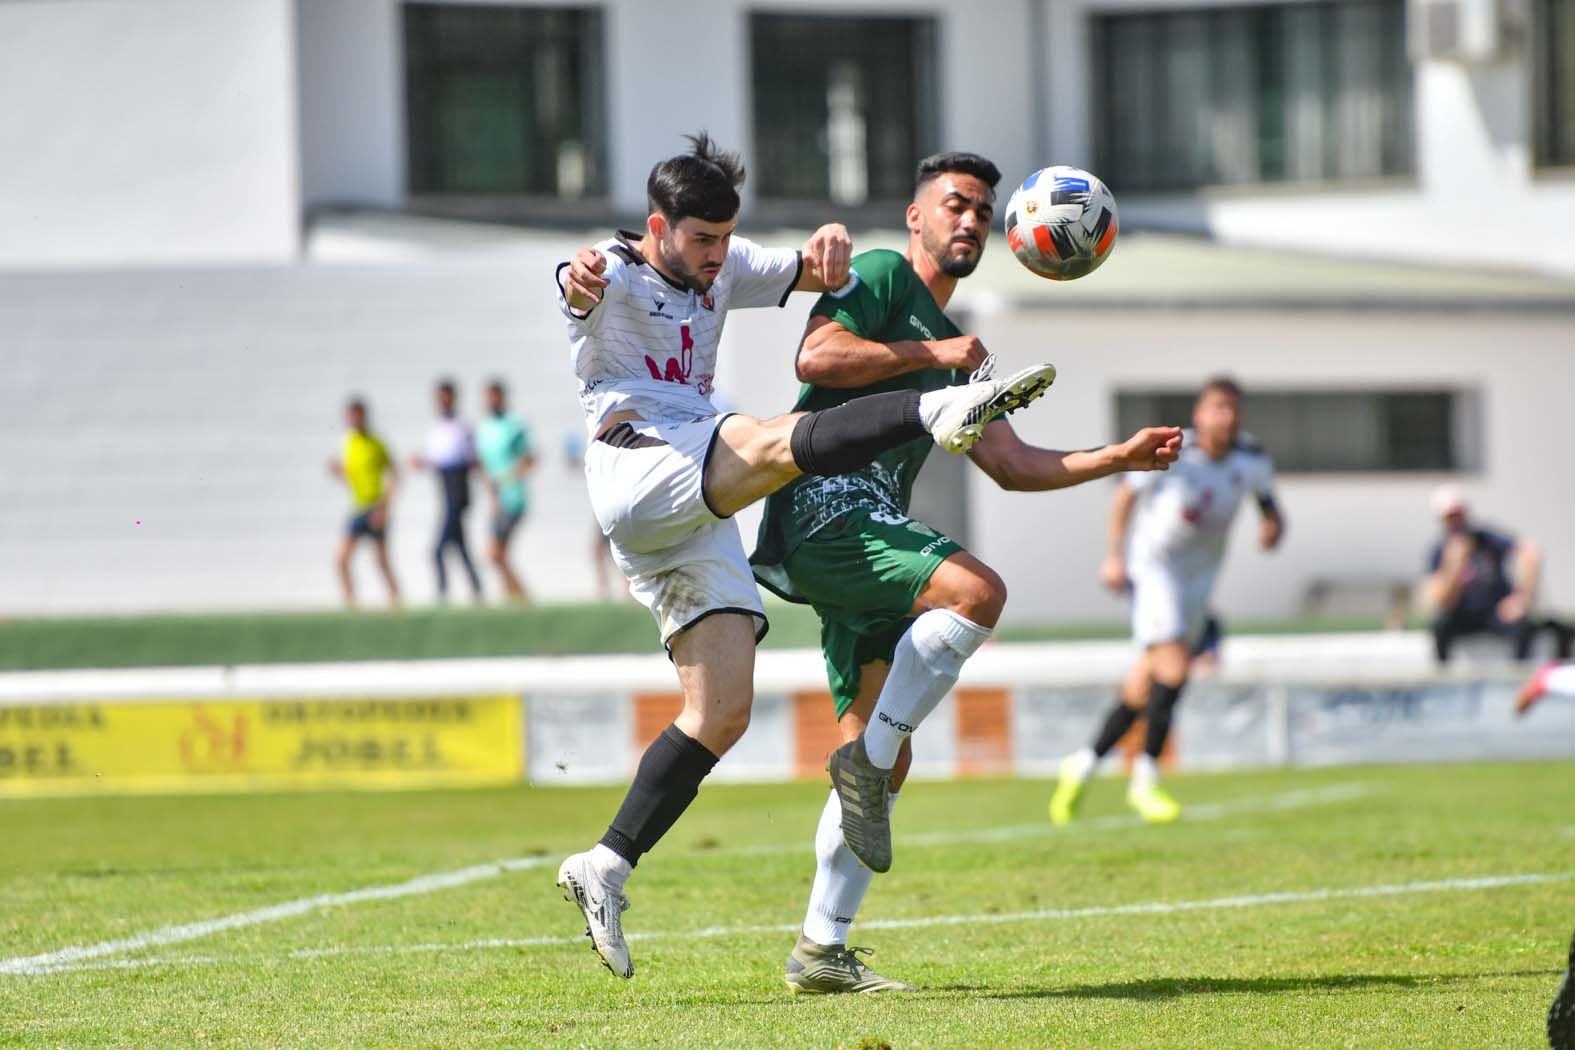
x,y
1256,900
191,931
177,934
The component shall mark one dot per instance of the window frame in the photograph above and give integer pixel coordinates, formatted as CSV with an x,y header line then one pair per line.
x,y
1537,89
592,205
926,132
1466,425
1093,86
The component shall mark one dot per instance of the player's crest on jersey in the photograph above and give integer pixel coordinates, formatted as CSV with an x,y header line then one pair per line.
x,y
708,302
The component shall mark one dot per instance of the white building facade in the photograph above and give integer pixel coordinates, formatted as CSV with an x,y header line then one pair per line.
x,y
157,131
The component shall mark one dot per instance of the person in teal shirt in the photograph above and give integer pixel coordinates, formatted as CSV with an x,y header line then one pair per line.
x,y
503,447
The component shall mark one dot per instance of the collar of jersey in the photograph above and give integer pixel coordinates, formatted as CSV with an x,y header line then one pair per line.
x,y
628,238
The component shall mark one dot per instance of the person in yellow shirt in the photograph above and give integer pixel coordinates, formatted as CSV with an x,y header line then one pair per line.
x,y
368,471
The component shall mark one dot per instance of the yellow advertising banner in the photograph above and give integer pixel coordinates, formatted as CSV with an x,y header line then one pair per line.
x,y
244,745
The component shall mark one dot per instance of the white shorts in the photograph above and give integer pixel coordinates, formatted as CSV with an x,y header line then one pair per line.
x,y
1167,605
683,561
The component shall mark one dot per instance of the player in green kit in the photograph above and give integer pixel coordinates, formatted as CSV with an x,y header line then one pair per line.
x,y
503,447
901,605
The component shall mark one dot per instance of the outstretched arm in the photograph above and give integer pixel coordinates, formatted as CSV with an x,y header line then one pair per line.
x,y
1020,467
832,356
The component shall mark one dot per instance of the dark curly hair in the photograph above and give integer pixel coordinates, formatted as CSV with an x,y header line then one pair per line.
x,y
702,183
956,163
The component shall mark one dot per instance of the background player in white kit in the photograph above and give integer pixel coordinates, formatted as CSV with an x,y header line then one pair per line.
x,y
1182,520
666,471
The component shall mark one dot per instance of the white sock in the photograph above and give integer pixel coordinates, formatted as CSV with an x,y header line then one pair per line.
x,y
1145,773
1082,765
612,868
840,880
924,668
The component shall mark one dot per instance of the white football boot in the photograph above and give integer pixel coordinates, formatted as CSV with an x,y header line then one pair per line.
x,y
955,416
603,908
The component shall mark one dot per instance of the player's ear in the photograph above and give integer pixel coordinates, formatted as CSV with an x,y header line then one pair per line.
x,y
913,215
656,225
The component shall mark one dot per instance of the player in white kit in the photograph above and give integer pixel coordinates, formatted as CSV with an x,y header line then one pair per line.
x,y
1553,679
1178,523
666,471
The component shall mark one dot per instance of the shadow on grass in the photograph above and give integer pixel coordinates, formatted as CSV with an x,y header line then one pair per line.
x,y
1180,987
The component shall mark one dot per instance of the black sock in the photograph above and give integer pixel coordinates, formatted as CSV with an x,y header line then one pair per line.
x,y
1116,725
1161,702
843,439
667,780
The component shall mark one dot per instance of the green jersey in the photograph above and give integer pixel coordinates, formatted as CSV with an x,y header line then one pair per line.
x,y
501,442
885,302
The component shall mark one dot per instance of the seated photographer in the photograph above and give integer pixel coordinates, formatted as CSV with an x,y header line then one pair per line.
x,y
1481,581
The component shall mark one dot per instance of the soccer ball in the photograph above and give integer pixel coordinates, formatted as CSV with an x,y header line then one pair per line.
x,y
1061,223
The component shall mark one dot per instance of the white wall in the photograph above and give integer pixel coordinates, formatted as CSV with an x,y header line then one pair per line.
x,y
352,101
672,69
147,131
1048,546
1475,199
351,61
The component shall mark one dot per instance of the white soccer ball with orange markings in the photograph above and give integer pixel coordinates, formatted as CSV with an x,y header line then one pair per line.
x,y
1061,223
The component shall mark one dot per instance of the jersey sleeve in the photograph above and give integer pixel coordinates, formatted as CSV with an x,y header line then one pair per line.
x,y
617,271
761,276
863,306
1140,480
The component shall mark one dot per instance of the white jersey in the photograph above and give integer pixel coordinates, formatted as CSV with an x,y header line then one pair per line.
x,y
650,345
449,444
1184,514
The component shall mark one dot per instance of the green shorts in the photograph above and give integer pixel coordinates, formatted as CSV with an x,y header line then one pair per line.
x,y
861,573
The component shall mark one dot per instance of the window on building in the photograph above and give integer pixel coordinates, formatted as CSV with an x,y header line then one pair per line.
x,y
504,100
843,107
1318,431
1251,94
1554,65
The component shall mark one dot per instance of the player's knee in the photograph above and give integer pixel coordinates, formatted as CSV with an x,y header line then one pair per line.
x,y
729,723
980,595
758,442
1170,664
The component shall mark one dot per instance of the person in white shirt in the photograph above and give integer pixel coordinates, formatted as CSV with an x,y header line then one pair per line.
x,y
450,453
666,471
1178,523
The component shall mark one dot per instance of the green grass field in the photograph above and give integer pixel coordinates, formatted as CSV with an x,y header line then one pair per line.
x,y
417,634
1103,934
